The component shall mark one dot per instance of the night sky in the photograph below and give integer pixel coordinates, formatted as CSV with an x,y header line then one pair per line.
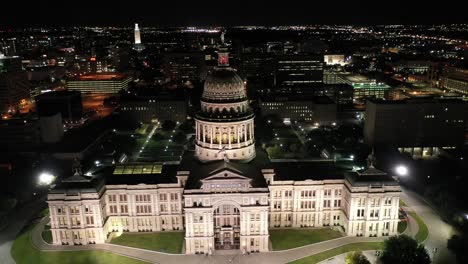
x,y
228,13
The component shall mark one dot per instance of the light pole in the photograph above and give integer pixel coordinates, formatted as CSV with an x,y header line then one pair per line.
x,y
400,170
46,178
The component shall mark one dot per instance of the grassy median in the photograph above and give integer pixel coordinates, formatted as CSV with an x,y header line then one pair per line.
x,y
423,231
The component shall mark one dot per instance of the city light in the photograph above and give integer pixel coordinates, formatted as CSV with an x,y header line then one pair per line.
x,y
46,178
401,170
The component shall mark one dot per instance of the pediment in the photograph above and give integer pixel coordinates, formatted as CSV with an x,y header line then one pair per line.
x,y
226,174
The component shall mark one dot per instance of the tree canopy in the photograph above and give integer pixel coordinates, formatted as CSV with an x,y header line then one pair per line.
x,y
403,249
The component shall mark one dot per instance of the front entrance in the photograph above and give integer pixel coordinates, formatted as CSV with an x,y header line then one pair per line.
x,y
227,227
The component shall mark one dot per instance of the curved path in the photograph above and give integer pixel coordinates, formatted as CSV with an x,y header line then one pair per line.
x,y
439,232
159,257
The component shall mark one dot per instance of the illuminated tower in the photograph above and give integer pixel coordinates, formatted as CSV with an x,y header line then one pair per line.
x,y
138,46
137,35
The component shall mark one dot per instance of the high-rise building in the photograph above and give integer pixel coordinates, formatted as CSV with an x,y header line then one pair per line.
x,y
299,70
14,84
137,35
455,80
67,103
294,107
138,46
99,83
421,127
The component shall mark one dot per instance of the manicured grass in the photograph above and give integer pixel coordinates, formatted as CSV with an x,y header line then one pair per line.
x,y
423,232
23,252
402,226
402,203
47,236
282,239
339,250
169,242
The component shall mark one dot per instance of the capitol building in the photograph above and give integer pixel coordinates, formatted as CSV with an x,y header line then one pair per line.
x,y
225,193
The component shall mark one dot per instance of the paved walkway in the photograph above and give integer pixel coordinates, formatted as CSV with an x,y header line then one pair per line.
x,y
439,231
412,227
16,222
340,259
159,257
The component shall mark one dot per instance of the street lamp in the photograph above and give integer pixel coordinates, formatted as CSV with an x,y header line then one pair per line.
x,y
401,170
46,178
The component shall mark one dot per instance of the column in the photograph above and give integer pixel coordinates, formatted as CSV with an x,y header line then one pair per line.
x,y
196,131
211,138
229,137
203,133
245,134
238,135
221,137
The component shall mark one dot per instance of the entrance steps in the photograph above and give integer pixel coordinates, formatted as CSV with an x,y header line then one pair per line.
x,y
227,252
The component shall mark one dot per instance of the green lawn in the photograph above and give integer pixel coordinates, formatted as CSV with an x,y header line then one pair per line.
x,y
23,252
402,203
169,242
339,250
402,225
47,236
423,232
282,239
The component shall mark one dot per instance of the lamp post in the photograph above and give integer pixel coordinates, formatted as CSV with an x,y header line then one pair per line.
x,y
46,178
401,170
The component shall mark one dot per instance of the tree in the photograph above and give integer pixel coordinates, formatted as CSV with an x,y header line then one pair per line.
x,y
458,246
187,127
168,125
356,258
180,137
403,249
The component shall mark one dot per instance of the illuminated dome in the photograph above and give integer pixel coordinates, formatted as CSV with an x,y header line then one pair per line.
x,y
225,122
223,85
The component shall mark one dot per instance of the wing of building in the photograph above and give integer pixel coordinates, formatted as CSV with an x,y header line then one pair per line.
x,y
225,193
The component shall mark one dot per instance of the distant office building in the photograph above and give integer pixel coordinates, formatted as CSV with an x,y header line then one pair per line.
x,y
298,70
8,47
183,66
363,87
420,127
99,83
257,65
413,67
67,103
51,128
14,84
455,80
299,108
335,59
20,134
150,109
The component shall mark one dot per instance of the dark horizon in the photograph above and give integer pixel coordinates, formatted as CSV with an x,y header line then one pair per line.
x,y
120,13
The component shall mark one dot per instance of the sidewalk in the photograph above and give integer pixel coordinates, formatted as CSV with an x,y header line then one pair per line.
x,y
273,257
